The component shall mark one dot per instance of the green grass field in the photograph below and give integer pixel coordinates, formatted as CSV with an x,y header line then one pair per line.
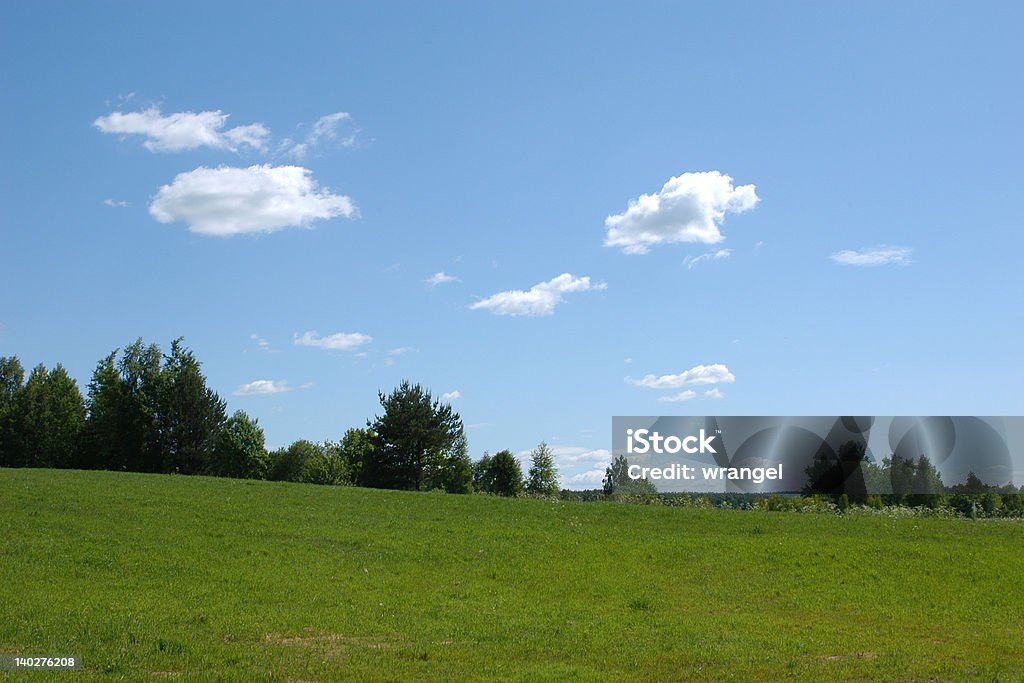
x,y
155,576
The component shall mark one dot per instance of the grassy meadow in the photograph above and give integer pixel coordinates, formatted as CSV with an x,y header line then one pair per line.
x,y
149,577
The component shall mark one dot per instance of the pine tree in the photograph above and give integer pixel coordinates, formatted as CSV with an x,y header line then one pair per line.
x,y
412,437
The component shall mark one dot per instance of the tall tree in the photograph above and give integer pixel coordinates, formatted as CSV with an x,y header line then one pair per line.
x,y
542,478
51,415
12,377
138,446
189,414
413,436
102,444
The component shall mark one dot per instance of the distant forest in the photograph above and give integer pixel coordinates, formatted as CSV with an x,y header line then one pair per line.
x,y
147,411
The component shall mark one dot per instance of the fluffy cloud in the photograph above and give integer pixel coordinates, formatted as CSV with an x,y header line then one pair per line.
x,y
230,201
541,299
691,261
874,256
695,376
688,208
183,130
714,393
267,387
339,341
450,396
440,279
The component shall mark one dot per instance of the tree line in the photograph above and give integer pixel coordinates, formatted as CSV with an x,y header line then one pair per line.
x,y
147,411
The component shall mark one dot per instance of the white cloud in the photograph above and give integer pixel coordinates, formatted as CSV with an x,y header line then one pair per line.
x,y
231,201
676,398
714,393
874,256
691,261
440,279
688,208
326,128
697,375
267,387
541,299
628,361
339,341
183,130
450,396
261,342
116,204
400,350
590,477
571,455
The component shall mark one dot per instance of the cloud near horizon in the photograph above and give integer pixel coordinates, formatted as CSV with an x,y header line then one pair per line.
x,y
539,300
688,208
228,201
184,130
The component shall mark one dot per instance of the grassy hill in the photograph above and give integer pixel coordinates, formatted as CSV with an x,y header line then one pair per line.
x,y
151,576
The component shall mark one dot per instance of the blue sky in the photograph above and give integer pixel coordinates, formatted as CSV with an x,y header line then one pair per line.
x,y
828,196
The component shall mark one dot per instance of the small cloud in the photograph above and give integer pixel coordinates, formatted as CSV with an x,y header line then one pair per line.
x,y
262,343
229,201
691,261
327,128
758,244
874,256
628,361
735,341
440,279
695,376
339,341
400,350
115,203
183,130
539,300
267,387
688,208
450,396
676,398
714,393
